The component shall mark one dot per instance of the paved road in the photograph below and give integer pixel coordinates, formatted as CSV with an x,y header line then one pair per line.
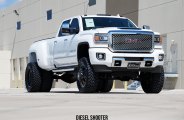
x,y
63,104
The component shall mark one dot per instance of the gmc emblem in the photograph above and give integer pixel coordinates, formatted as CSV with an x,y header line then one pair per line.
x,y
130,40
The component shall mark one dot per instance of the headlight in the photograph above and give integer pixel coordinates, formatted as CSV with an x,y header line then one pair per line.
x,y
101,37
158,39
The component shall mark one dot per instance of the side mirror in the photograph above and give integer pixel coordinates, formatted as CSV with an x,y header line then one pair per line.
x,y
146,27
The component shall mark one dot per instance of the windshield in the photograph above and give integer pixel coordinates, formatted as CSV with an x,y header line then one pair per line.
x,y
101,22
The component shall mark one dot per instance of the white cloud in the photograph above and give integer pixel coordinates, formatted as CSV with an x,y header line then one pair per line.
x,y
2,1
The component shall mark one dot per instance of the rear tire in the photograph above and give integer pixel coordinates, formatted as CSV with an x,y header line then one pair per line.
x,y
33,78
47,79
105,86
37,80
152,82
86,78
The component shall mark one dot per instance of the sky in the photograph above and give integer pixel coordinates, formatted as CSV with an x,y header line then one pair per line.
x,y
7,3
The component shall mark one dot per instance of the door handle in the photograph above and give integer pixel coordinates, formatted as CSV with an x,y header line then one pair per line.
x,y
65,39
55,42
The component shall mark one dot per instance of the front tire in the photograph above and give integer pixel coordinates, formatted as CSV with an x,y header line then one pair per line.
x,y
152,82
86,78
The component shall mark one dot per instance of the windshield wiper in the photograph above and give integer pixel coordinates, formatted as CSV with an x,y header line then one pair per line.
x,y
129,28
96,27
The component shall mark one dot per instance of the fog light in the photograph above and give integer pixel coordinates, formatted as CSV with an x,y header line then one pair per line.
x,y
148,63
161,57
101,56
117,63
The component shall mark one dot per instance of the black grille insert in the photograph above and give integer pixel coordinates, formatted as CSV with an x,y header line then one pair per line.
x,y
134,58
135,42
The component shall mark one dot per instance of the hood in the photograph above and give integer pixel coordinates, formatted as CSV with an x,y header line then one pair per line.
x,y
115,29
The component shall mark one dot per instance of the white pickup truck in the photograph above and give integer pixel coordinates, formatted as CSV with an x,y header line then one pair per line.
x,y
94,50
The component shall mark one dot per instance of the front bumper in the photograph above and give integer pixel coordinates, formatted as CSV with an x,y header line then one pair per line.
x,y
110,58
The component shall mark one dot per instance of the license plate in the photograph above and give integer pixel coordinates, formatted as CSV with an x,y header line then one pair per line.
x,y
133,65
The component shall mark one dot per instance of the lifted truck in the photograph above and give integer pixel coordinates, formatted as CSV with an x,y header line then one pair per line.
x,y
94,50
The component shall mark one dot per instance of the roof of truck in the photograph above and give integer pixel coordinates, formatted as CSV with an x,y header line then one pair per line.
x,y
98,15
104,15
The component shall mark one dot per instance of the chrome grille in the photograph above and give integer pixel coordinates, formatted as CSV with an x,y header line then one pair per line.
x,y
132,42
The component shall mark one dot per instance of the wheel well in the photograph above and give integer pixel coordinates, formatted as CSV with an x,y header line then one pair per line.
x,y
83,50
32,57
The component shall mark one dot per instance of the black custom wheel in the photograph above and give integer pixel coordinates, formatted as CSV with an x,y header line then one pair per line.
x,y
86,78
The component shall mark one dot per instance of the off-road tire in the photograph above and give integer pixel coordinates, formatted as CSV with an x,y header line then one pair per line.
x,y
105,86
33,78
86,77
47,80
152,82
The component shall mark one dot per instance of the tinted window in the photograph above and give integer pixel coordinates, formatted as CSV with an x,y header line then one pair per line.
x,y
75,24
63,27
101,22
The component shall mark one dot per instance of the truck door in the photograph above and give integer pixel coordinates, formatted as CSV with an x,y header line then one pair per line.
x,y
61,44
72,44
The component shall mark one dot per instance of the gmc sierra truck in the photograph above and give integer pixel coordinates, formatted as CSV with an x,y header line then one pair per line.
x,y
95,50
